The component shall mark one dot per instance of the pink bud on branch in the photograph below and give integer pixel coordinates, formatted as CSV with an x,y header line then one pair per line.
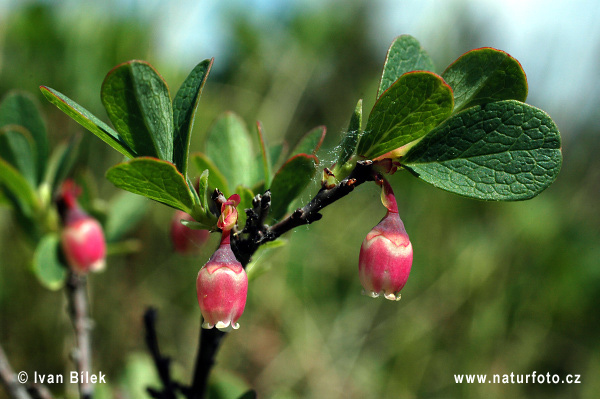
x,y
386,253
186,240
222,287
82,238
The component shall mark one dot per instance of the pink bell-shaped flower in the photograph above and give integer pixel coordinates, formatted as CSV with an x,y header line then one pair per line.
x,y
82,237
185,240
386,253
222,283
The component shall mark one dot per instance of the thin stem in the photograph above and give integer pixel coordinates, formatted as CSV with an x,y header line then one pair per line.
x,y
14,388
78,312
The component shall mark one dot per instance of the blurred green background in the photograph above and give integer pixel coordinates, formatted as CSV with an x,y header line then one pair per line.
x,y
495,287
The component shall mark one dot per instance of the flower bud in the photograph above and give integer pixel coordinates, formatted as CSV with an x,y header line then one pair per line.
x,y
82,238
184,239
222,286
386,253
229,214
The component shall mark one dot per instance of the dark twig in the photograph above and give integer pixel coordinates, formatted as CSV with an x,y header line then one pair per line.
x,y
78,312
13,387
210,341
162,363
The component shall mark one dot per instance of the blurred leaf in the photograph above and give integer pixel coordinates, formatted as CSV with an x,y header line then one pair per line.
x,y
349,140
404,55
139,373
257,265
276,153
230,147
18,149
503,151
61,162
225,385
185,104
125,211
483,76
251,394
47,264
17,185
215,177
155,179
246,196
203,189
138,104
88,121
22,109
310,142
290,181
265,156
409,109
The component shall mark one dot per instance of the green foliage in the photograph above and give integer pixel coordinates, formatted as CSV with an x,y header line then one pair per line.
x,y
229,146
125,211
215,177
21,109
347,146
185,104
18,149
153,178
18,188
310,142
409,109
47,265
404,55
483,76
503,151
290,181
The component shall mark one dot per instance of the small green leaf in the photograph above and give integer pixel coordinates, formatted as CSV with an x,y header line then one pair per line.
x,y
86,119
185,104
18,148
61,162
290,181
155,179
22,109
18,187
203,190
230,147
310,142
138,104
404,55
246,196
265,156
215,177
125,211
483,76
409,109
504,151
47,264
347,146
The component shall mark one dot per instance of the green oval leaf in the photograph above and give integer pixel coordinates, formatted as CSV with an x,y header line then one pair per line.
x,y
61,162
265,155
21,191
86,119
22,109
138,104
185,104
409,109
155,179
230,147
503,151
310,142
483,76
47,264
404,55
18,149
290,181
216,179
